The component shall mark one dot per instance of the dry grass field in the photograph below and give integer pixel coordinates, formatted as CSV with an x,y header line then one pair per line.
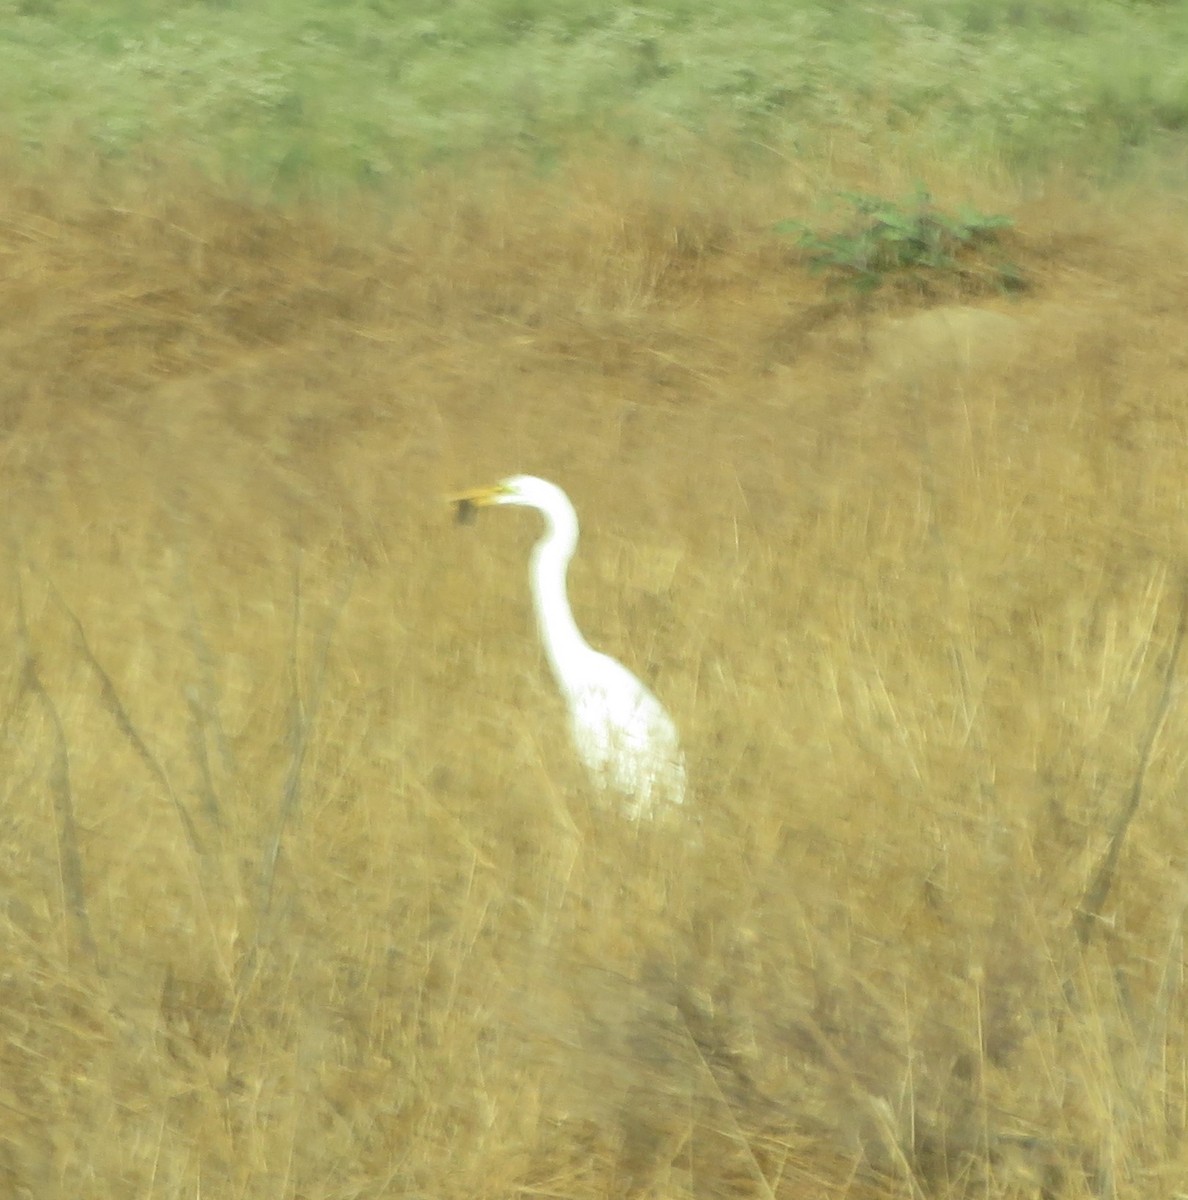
x,y
301,891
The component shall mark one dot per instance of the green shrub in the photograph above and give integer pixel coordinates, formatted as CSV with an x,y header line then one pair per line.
x,y
910,239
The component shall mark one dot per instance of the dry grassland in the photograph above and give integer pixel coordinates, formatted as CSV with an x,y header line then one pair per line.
x,y
291,901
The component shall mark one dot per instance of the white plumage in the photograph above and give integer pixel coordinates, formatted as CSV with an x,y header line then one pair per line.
x,y
622,734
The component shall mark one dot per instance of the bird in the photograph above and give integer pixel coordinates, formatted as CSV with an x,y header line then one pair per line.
x,y
624,737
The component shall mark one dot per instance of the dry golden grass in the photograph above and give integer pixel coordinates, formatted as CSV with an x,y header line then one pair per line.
x,y
292,902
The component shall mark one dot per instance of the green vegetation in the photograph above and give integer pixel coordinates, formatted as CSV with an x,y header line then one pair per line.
x,y
912,240
367,92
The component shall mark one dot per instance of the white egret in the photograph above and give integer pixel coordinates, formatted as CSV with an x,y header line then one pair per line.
x,y
624,737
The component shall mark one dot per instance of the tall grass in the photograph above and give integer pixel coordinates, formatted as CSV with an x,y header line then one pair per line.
x,y
301,890
289,905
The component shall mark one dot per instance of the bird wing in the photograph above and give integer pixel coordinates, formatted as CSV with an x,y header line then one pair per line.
x,y
625,738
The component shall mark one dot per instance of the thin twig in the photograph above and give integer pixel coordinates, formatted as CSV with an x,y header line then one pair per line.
x,y
206,787
1099,888
878,1107
203,699
70,870
115,706
736,1130
301,720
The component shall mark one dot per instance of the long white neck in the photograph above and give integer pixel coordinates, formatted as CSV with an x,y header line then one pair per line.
x,y
562,640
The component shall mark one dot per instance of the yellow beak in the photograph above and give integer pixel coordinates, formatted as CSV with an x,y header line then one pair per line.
x,y
466,502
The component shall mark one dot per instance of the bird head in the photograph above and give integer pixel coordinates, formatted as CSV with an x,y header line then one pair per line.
x,y
526,490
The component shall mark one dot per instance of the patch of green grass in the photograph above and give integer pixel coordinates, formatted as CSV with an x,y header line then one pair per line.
x,y
910,240
371,90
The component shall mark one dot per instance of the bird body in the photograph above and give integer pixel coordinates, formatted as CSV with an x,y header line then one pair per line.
x,y
624,737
